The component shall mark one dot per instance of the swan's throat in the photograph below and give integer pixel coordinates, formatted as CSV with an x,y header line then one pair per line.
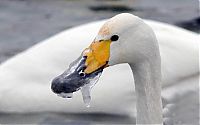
x,y
147,77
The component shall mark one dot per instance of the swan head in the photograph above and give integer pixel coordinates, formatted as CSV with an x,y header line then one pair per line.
x,y
119,40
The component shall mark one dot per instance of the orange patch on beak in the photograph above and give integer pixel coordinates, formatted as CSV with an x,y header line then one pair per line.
x,y
97,54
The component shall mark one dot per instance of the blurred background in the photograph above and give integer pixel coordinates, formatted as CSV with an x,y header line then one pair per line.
x,y
24,23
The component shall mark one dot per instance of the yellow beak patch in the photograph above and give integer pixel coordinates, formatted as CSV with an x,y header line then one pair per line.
x,y
97,55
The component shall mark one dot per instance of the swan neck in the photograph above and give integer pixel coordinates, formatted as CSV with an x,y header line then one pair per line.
x,y
147,76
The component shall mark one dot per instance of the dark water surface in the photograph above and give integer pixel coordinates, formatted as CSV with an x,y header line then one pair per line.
x,y
50,118
24,23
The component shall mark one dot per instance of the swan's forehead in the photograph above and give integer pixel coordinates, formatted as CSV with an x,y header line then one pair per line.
x,y
104,33
105,30
108,29
117,25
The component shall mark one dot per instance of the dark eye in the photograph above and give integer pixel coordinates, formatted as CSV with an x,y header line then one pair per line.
x,y
114,38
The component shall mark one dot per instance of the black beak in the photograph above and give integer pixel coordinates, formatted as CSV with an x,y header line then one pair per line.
x,y
73,78
60,86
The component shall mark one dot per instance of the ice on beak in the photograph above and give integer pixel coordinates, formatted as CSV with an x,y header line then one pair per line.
x,y
86,90
66,95
72,80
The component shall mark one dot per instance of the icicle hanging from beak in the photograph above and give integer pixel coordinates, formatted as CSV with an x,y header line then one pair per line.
x,y
86,90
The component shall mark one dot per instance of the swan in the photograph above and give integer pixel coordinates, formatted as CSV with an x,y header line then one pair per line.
x,y
113,45
26,77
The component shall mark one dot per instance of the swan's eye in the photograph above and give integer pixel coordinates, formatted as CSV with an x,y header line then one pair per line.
x,y
114,38
81,73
